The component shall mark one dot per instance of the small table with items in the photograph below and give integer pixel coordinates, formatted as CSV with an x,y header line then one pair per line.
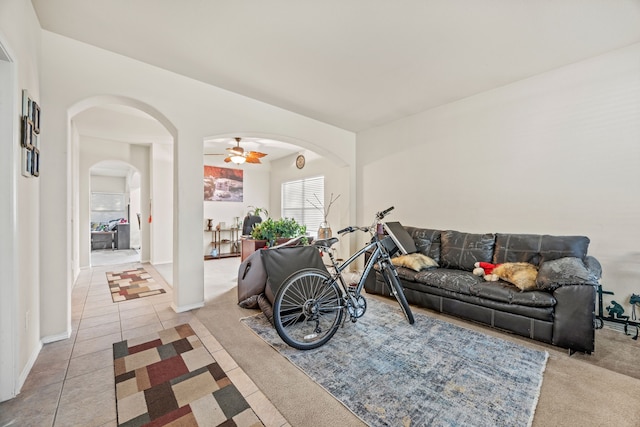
x,y
102,239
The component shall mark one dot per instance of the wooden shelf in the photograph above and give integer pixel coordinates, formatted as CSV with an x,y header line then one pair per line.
x,y
226,247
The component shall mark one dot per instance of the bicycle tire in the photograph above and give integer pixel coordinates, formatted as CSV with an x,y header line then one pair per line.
x,y
397,291
308,309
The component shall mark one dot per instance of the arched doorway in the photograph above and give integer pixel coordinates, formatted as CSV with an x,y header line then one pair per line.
x,y
117,129
114,213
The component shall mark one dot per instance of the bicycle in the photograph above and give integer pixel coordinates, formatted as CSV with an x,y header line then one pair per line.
x,y
311,303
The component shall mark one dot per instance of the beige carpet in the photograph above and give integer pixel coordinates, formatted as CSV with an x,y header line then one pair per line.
x,y
576,390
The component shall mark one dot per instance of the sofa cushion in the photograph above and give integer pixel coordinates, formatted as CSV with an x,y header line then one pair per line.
x,y
427,241
462,250
452,280
536,248
506,292
564,271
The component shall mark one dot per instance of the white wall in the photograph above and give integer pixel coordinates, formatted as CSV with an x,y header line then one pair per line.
x,y
162,205
19,216
108,184
558,153
191,111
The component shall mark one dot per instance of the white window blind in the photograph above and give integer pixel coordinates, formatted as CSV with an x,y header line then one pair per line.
x,y
295,202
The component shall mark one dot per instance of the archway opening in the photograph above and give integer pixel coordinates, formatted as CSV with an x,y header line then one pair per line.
x,y
115,214
120,136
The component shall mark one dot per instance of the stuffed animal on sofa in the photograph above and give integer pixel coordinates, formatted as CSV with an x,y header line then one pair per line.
x,y
485,269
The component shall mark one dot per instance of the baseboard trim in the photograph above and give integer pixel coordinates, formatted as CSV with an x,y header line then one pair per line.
x,y
27,369
190,307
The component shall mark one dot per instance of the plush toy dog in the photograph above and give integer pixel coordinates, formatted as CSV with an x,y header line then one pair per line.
x,y
485,269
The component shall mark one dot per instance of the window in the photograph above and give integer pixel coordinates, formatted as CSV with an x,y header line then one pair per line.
x,y
295,202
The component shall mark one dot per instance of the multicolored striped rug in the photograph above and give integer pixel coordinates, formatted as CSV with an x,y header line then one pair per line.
x,y
131,284
170,379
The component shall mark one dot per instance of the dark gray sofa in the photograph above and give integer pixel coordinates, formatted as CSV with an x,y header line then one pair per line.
x,y
560,311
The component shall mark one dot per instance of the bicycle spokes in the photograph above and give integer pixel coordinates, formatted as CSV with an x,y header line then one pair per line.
x,y
307,309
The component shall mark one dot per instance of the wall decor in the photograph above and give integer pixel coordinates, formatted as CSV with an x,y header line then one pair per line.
x,y
223,184
30,138
35,162
25,163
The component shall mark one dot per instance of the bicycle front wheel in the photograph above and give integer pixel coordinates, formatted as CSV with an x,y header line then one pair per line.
x,y
391,277
307,309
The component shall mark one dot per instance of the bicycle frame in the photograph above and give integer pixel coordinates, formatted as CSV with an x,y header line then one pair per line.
x,y
312,303
379,254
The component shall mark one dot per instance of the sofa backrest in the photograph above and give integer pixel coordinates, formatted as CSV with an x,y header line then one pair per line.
x,y
427,241
462,250
537,248
454,249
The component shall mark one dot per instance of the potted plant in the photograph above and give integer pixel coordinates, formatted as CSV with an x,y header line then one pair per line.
x,y
275,231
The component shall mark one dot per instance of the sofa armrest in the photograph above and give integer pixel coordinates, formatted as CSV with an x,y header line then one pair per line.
x,y
573,326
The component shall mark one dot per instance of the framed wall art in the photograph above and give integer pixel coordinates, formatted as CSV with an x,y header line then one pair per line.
x,y
223,184
30,136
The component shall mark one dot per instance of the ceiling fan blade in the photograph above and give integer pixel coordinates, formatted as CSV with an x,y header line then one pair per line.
x,y
215,154
251,159
227,159
256,154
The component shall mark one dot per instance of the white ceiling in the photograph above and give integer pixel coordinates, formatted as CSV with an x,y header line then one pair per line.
x,y
357,63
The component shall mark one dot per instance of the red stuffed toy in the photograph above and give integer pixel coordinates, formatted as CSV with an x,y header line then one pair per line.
x,y
485,269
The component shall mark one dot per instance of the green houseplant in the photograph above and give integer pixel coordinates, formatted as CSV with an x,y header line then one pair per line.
x,y
271,230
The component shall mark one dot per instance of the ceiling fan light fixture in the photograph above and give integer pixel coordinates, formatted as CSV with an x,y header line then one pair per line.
x,y
238,160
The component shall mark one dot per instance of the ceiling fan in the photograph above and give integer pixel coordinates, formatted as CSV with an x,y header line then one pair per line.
x,y
238,156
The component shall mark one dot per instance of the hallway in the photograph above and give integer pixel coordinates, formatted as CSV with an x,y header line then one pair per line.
x,y
72,381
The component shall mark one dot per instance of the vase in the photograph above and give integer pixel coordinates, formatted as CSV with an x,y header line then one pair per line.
x,y
324,231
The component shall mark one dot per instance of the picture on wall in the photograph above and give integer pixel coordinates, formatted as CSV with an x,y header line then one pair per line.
x,y
223,184
30,138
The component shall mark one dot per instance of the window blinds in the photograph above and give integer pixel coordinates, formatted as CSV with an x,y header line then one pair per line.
x,y
296,202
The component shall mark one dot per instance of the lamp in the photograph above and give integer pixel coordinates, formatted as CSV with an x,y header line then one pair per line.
x,y
238,160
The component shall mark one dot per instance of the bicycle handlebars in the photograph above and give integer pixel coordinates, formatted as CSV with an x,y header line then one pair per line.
x,y
379,216
384,213
348,229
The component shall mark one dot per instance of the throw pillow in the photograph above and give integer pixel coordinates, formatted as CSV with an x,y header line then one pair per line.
x,y
564,271
521,274
415,261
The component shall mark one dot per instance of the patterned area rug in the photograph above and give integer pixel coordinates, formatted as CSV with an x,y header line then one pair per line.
x,y
169,378
131,284
433,373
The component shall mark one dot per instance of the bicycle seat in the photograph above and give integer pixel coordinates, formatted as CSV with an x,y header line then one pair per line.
x,y
326,243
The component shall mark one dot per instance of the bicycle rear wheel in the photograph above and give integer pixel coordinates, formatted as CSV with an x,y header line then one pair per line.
x,y
396,289
308,309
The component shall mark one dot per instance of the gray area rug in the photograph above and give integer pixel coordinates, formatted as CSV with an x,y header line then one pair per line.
x,y
433,373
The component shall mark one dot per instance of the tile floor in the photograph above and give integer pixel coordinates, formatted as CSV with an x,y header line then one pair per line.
x,y
72,383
